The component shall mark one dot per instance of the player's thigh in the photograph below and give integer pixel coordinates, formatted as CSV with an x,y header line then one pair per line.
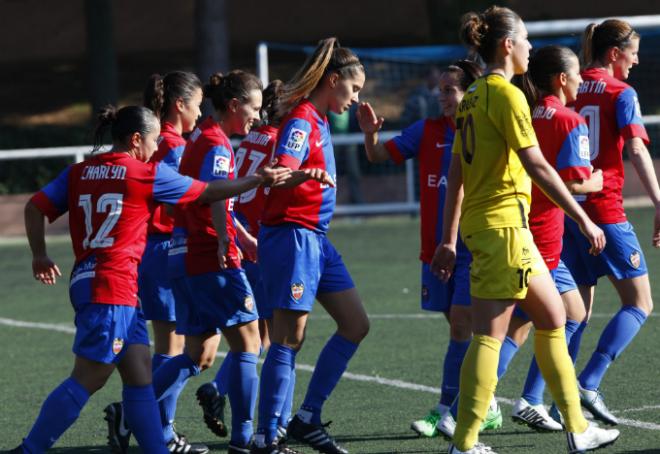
x,y
491,317
288,327
92,375
460,322
543,304
243,337
135,365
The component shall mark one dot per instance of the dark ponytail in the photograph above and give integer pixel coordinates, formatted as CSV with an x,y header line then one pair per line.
x,y
236,84
466,71
271,103
162,91
123,123
544,66
483,31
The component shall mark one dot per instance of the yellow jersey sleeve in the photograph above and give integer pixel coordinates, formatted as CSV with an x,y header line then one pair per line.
x,y
493,122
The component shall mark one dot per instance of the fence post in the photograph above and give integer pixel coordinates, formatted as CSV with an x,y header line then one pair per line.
x,y
262,62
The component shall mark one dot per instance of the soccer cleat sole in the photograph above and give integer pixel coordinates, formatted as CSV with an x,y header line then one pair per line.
x,y
538,429
215,425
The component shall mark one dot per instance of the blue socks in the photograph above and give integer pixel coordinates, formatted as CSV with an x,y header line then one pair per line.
x,y
221,379
535,384
507,352
618,333
167,405
58,412
285,415
168,382
330,366
143,418
451,371
576,340
274,387
242,392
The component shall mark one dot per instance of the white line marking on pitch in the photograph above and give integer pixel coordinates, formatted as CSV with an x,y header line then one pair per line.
x,y
426,316
62,328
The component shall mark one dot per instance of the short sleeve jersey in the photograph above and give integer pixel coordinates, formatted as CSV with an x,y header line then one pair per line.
x,y
303,142
170,149
612,112
110,198
254,152
564,141
430,142
208,156
493,122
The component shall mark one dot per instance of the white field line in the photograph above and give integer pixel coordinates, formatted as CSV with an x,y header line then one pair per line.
x,y
426,316
348,375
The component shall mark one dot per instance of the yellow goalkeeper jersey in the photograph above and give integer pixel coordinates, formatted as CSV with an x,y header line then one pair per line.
x,y
493,122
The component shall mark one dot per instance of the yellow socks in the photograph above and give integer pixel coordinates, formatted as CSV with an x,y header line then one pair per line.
x,y
557,369
477,387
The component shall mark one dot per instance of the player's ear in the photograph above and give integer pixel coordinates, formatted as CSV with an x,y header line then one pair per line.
x,y
180,105
233,105
135,140
613,53
333,79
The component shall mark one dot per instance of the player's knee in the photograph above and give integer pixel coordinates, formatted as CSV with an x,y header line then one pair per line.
x,y
356,331
460,331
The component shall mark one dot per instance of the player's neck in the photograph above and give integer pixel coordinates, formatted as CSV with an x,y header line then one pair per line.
x,y
503,69
176,122
317,100
600,65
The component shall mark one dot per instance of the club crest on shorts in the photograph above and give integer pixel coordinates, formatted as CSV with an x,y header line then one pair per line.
x,y
425,292
117,345
248,302
635,259
297,290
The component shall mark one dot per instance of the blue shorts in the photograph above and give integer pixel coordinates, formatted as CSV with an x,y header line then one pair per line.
x,y
622,257
438,296
103,331
297,264
154,289
253,274
563,281
188,322
218,301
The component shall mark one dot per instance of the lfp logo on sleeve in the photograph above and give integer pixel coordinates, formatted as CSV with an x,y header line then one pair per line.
x,y
296,140
221,166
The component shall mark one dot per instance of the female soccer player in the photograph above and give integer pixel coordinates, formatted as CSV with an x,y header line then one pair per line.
x,y
298,262
552,81
255,151
109,198
221,298
612,111
494,140
175,98
430,141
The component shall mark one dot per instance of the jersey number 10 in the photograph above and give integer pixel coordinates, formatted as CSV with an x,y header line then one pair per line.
x,y
592,115
110,203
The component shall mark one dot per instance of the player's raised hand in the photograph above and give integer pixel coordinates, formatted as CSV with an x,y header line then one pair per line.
x,y
45,270
595,235
273,176
369,122
444,261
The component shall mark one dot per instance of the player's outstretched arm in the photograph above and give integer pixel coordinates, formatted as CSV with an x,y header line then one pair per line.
x,y
549,181
43,268
224,189
297,177
370,124
643,164
444,257
593,184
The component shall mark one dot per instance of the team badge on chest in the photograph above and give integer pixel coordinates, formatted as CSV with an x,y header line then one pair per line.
x,y
117,345
297,290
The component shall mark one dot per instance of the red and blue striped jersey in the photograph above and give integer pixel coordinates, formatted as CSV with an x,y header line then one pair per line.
x,y
208,156
254,152
612,112
170,149
564,140
303,142
429,141
110,198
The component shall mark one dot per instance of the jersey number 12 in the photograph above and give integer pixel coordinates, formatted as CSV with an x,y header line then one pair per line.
x,y
111,204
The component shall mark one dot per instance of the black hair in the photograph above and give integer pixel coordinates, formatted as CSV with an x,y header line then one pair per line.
x,y
236,84
467,72
163,91
123,123
544,65
483,31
